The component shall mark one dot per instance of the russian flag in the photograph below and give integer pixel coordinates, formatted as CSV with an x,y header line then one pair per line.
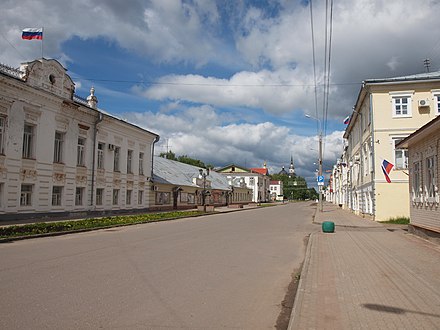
x,y
347,120
32,33
386,168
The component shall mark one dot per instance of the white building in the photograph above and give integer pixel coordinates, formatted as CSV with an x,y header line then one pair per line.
x,y
60,155
256,179
276,191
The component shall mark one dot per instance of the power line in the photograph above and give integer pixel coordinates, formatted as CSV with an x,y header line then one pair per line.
x,y
143,82
10,44
314,66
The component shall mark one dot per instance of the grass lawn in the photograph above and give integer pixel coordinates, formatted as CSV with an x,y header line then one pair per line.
x,y
42,228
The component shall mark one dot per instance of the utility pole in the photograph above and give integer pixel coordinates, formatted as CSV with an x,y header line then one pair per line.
x,y
320,171
427,64
319,161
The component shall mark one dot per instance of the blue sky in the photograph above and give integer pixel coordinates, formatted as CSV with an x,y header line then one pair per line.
x,y
227,81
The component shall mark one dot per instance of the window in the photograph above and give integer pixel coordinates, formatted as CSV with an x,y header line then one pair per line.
x,y
400,155
115,196
116,159
80,153
430,177
2,134
251,181
28,141
56,195
129,161
99,196
100,160
140,196
26,195
79,196
437,103
141,163
402,106
162,198
58,149
128,197
416,180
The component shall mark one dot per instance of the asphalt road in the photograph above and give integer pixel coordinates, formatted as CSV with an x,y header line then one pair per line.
x,y
225,271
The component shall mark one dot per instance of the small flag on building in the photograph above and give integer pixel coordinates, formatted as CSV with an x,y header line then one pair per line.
x,y
386,168
32,33
347,120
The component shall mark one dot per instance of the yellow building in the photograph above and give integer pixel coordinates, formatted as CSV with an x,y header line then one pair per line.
x,y
386,111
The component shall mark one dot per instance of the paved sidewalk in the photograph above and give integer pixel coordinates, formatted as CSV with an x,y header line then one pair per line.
x,y
367,275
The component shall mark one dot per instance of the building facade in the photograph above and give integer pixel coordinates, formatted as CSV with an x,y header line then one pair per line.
x,y
256,179
424,200
62,156
386,111
182,186
276,190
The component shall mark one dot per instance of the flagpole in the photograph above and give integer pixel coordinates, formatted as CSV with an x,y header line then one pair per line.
x,y
42,41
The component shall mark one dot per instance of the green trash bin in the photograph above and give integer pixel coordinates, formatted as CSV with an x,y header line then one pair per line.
x,y
328,227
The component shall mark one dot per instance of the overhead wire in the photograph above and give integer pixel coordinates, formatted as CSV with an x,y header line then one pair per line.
x,y
314,66
329,34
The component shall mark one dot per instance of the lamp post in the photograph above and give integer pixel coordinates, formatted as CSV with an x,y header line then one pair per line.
x,y
319,158
203,176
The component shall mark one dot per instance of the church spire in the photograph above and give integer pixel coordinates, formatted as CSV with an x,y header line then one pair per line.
x,y
291,167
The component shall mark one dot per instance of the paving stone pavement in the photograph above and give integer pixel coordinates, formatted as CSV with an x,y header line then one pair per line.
x,y
367,275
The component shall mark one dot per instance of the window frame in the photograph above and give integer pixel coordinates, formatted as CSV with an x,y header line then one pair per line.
x,y
26,195
430,178
417,181
115,197
100,156
128,196
405,154
2,134
81,151
141,163
399,96
99,196
28,141
57,196
58,152
129,161
436,99
140,197
79,196
116,159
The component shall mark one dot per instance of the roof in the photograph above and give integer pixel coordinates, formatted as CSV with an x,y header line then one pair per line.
x,y
172,172
263,170
420,134
420,77
275,182
413,77
232,168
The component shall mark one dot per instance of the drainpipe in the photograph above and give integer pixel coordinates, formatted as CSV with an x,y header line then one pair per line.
x,y
95,133
373,174
157,138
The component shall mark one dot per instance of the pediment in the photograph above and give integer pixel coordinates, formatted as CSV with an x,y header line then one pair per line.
x,y
49,75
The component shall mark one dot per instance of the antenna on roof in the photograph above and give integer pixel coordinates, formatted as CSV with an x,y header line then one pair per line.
x,y
427,64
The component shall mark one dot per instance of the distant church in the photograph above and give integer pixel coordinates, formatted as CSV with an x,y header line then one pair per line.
x,y
291,172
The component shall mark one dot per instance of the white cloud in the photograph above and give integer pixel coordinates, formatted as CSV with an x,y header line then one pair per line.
x,y
274,91
201,132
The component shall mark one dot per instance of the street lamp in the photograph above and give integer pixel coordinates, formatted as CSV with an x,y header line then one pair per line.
x,y
319,158
203,176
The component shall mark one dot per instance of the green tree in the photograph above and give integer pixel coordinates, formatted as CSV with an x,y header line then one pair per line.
x,y
168,155
191,161
295,187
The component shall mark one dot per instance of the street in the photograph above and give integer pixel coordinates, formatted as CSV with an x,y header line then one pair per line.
x,y
222,271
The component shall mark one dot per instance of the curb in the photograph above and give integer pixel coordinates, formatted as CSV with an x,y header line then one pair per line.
x,y
294,316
